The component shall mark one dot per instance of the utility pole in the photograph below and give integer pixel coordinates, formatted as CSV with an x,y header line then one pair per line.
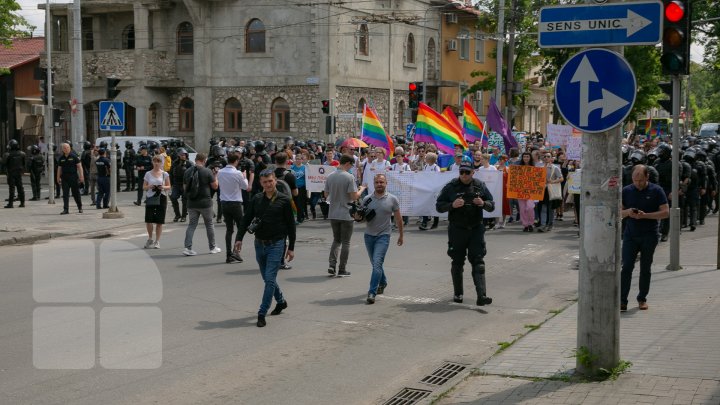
x,y
391,121
675,199
48,117
77,110
499,57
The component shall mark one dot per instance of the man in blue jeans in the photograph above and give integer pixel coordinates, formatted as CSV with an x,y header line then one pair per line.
x,y
380,207
643,204
270,217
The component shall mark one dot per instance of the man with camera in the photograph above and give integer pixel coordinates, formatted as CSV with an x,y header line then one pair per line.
x,y
378,210
465,198
270,218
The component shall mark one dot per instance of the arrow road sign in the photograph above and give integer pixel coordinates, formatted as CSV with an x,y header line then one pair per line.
x,y
595,90
112,116
636,23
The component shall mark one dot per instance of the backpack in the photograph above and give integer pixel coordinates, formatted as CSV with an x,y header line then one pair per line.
x,y
168,163
192,184
282,185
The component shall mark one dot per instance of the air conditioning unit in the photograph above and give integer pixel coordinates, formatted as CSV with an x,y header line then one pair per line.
x,y
38,109
452,45
451,18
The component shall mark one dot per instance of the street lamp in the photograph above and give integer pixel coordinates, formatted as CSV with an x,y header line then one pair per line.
x,y
456,3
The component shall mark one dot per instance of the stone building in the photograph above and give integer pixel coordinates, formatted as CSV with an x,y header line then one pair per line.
x,y
200,69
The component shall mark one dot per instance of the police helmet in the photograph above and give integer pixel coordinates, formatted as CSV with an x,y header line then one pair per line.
x,y
213,141
217,151
271,146
652,155
152,145
103,145
259,146
181,151
289,140
626,149
638,156
101,151
664,151
13,145
700,154
691,140
240,150
689,155
685,144
87,145
301,144
128,145
143,146
34,149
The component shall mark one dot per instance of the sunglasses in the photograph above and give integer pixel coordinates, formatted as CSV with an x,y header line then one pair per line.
x,y
465,171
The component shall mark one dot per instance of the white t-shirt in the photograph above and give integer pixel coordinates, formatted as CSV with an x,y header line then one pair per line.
x,y
432,168
154,181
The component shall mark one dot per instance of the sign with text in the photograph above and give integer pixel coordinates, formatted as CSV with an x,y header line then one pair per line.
x,y
315,177
573,182
526,182
574,148
558,134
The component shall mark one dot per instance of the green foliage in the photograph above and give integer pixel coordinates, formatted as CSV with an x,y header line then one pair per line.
x,y
12,25
503,346
613,374
584,356
532,327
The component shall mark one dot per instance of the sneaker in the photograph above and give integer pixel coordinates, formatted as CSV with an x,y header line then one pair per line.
x,y
189,252
215,250
664,238
548,228
137,203
343,274
183,219
541,230
482,301
370,299
148,244
261,321
642,305
530,228
501,226
423,226
177,218
285,267
331,271
156,245
381,289
231,259
458,298
623,307
279,308
237,257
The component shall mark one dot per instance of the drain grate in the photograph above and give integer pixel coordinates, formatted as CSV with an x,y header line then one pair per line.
x,y
407,396
443,374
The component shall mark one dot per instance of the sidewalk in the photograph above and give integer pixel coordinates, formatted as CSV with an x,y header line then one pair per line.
x,y
674,347
40,220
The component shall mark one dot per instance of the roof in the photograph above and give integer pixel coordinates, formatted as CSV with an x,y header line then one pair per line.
x,y
22,51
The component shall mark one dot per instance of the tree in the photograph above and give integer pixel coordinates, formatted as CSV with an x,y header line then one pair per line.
x,y
12,25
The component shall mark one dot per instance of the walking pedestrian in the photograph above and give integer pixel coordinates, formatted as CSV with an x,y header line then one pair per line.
x,y
231,182
200,203
270,218
156,184
70,176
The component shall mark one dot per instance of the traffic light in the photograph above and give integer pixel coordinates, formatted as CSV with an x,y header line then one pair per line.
x,y
58,117
675,59
413,98
112,90
326,106
419,86
667,88
44,91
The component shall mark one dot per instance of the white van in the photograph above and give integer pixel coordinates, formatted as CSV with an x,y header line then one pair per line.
x,y
120,140
709,129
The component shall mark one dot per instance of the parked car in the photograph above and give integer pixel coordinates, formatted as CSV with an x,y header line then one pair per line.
x,y
709,129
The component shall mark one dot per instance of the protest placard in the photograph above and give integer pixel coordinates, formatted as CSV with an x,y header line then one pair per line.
x,y
573,182
315,176
526,182
558,134
574,148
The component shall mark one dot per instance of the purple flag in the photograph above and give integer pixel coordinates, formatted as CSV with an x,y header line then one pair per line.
x,y
499,125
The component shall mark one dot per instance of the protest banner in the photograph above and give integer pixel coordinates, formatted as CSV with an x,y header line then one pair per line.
x,y
558,134
574,148
315,176
526,182
573,182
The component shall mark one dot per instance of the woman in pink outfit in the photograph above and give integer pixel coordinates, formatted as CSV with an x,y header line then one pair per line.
x,y
527,207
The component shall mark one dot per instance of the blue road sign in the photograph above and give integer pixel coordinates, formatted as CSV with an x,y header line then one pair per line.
x,y
112,116
636,23
409,129
595,90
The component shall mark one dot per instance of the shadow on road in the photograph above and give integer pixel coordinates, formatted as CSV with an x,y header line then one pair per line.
x,y
439,307
308,279
228,324
356,300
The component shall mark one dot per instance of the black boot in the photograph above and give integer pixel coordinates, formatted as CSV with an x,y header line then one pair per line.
x,y
457,278
478,274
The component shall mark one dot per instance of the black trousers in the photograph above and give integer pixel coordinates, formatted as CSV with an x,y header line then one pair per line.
x,y
14,181
35,177
468,242
130,180
301,203
140,180
71,184
233,211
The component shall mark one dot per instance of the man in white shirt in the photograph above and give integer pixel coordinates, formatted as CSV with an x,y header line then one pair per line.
x,y
231,182
456,165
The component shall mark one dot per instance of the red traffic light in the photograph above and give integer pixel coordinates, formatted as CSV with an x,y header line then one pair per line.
x,y
674,11
325,103
412,87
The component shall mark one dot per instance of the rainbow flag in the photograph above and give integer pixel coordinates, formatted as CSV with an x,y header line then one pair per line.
x,y
434,128
373,132
648,127
474,129
451,118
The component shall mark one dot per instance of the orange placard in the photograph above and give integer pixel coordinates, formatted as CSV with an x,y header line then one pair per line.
x,y
526,182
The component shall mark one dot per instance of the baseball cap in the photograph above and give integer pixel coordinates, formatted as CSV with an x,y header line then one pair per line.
x,y
458,154
465,166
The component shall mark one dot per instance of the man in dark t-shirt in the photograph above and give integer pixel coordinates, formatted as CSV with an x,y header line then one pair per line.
x,y
643,204
201,204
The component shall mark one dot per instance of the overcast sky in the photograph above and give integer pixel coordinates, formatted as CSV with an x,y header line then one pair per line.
x,y
36,17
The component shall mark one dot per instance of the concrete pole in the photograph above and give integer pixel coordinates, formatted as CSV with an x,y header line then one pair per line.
x,y
675,203
499,57
48,118
113,212
391,121
77,119
598,319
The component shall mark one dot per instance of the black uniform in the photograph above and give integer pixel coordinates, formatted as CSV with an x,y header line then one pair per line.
x,y
128,160
37,165
177,174
67,169
246,166
15,164
103,166
466,233
86,159
118,166
216,162
144,165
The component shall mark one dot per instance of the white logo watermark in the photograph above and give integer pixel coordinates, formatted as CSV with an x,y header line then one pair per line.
x,y
71,278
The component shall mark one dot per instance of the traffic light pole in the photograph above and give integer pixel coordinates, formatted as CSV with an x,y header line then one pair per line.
x,y
47,118
113,212
675,199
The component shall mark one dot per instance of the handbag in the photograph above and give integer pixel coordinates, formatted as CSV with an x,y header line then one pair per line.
x,y
554,191
153,201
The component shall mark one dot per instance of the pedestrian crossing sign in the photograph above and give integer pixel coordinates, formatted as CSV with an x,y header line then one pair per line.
x,y
112,116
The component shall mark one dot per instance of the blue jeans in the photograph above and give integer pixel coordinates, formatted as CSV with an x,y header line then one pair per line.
x,y
377,247
103,196
631,246
268,256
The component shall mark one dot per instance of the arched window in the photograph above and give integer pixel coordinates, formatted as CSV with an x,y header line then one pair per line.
x,y
401,114
431,60
255,36
360,108
185,39
280,113
363,40
410,49
233,115
187,107
128,37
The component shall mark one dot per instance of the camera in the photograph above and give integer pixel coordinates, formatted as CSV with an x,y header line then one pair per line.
x,y
361,210
254,225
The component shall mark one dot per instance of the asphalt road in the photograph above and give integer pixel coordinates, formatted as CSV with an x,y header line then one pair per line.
x,y
328,347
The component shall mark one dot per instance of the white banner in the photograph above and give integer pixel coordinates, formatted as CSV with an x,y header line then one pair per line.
x,y
558,134
574,148
573,182
315,176
418,191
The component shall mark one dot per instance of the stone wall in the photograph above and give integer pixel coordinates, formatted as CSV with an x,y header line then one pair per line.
x,y
155,65
348,99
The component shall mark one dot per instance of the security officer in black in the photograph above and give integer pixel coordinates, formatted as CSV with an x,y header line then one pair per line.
x,y
696,186
177,175
103,166
15,163
663,165
118,165
637,157
37,165
143,164
128,160
70,176
710,184
86,159
215,162
465,198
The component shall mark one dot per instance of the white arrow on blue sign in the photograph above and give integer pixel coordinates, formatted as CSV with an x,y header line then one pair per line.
x,y
595,90
635,23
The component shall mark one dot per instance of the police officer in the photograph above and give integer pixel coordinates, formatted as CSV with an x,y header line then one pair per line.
x,y
465,198
118,165
177,174
215,162
86,159
70,176
103,178
696,186
143,164
638,157
37,165
15,164
663,165
129,164
710,184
